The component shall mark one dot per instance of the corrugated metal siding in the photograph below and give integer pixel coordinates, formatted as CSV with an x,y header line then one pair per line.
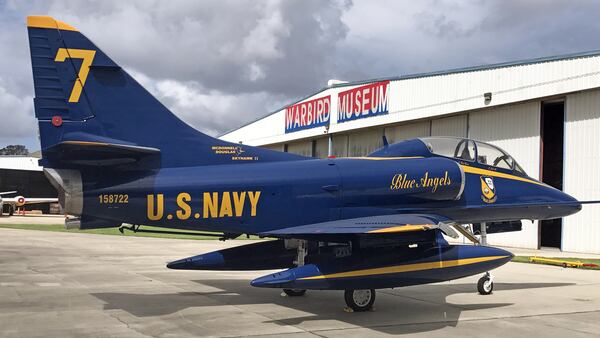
x,y
399,133
340,145
434,96
516,129
362,143
278,147
581,232
300,148
450,126
322,147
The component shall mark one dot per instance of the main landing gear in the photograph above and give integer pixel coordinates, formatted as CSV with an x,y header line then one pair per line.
x,y
360,300
485,285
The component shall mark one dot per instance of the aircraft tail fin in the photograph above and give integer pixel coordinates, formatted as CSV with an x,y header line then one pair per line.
x,y
91,112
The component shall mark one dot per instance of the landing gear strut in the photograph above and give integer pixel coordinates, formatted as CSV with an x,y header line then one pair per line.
x,y
485,285
302,252
360,300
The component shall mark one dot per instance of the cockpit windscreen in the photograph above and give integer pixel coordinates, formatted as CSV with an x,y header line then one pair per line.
x,y
469,150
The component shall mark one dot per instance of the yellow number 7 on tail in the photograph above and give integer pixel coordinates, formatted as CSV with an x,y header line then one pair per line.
x,y
88,57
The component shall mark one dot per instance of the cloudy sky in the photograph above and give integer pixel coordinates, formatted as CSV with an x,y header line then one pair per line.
x,y
219,64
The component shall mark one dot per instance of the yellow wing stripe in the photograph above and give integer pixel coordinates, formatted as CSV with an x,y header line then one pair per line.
x,y
87,143
472,170
384,158
402,228
407,268
42,21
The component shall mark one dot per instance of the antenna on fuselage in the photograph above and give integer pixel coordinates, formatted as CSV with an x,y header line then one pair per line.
x,y
385,141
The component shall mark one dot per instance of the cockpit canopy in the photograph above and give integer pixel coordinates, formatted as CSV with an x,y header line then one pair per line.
x,y
471,151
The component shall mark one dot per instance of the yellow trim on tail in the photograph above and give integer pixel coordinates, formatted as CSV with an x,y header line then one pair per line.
x,y
407,268
43,21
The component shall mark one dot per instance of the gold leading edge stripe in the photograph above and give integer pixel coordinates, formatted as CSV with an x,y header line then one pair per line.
x,y
383,158
407,268
478,171
403,228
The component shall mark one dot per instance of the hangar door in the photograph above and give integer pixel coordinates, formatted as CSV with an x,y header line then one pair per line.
x,y
362,143
301,148
450,126
402,132
581,231
516,129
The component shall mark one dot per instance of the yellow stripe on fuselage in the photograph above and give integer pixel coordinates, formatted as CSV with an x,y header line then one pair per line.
x,y
478,171
407,268
402,228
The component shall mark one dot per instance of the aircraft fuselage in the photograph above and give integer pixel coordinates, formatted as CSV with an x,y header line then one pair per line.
x,y
253,198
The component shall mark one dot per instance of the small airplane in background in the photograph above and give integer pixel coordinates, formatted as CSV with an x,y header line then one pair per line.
x,y
20,201
118,156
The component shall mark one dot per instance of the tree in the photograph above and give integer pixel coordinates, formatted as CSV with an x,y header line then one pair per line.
x,y
14,149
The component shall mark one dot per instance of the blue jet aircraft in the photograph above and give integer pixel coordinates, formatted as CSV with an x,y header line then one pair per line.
x,y
118,156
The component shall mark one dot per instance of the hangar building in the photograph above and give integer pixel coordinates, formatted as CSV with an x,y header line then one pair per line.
x,y
24,175
544,112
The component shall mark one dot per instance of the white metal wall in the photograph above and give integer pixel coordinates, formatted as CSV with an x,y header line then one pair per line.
x,y
362,143
450,126
322,147
340,145
301,148
516,129
434,96
402,132
581,232
278,147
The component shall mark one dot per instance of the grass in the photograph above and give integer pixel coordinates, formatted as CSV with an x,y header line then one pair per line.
x,y
525,259
110,231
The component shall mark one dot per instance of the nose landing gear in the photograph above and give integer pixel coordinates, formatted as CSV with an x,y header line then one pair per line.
x,y
294,292
485,285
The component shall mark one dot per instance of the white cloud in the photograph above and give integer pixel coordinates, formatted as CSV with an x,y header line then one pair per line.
x,y
219,64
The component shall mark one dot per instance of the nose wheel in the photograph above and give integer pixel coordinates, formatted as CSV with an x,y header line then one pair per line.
x,y
485,285
360,300
294,292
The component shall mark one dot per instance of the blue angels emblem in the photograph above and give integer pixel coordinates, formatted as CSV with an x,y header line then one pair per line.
x,y
488,190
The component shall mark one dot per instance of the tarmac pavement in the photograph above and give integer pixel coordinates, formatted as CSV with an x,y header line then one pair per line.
x,y
72,285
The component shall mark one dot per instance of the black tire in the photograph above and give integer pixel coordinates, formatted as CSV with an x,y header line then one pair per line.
x,y
485,286
11,210
360,300
294,292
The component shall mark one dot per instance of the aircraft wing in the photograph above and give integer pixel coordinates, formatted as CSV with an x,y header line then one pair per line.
x,y
382,224
15,200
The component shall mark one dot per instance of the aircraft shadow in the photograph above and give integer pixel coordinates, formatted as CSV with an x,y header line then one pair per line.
x,y
403,310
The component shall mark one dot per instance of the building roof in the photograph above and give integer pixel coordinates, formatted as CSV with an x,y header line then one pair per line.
x,y
20,163
523,62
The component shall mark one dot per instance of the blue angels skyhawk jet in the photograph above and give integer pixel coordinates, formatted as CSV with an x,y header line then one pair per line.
x,y
117,155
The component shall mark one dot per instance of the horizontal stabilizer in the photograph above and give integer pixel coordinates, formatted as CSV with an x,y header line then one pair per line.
x,y
92,153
